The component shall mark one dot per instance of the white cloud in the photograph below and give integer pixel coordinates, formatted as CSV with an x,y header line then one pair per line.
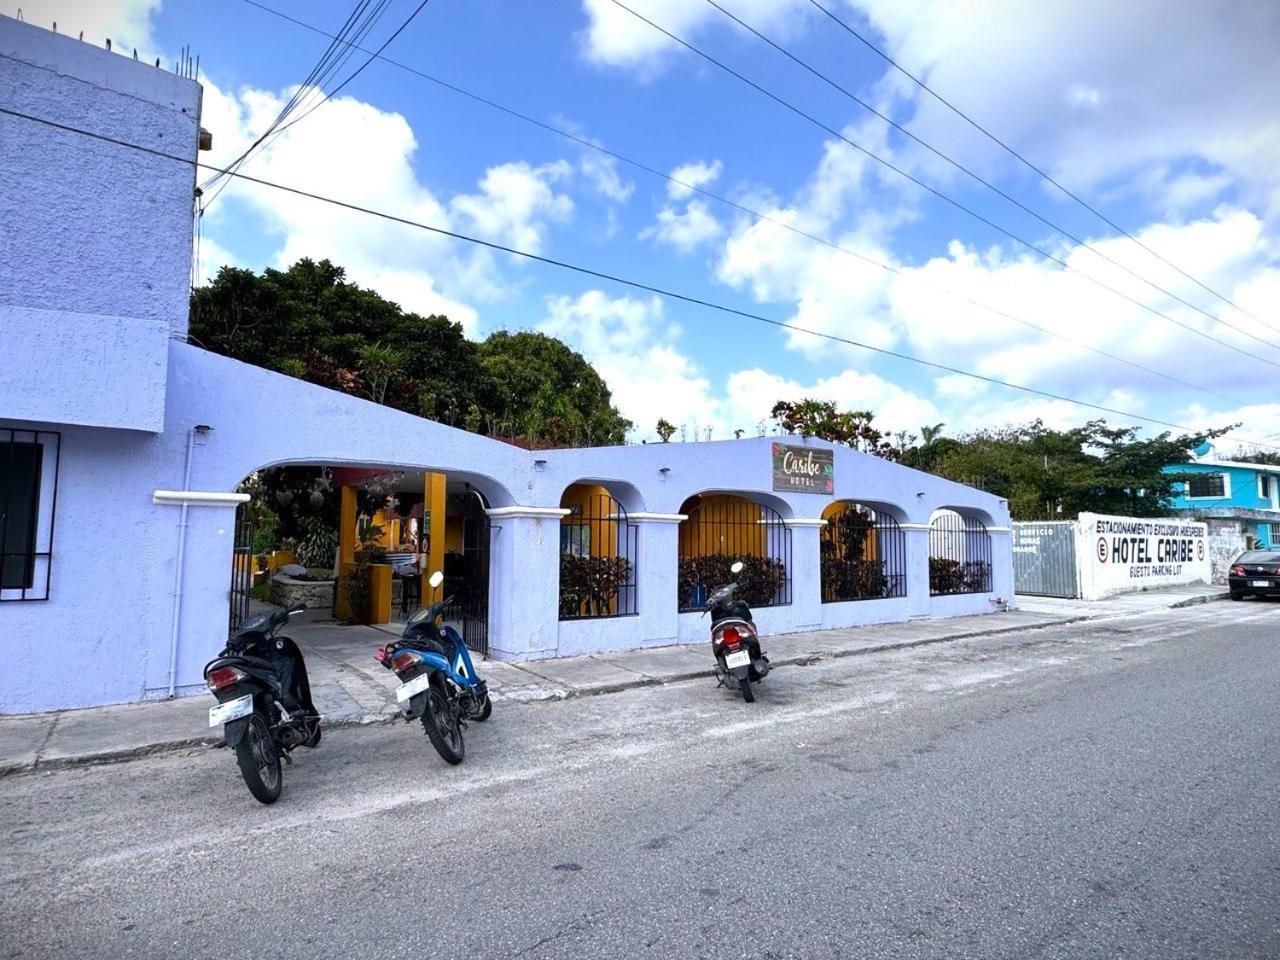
x,y
354,152
515,202
602,173
615,38
690,176
686,229
1088,88
631,345
127,23
752,394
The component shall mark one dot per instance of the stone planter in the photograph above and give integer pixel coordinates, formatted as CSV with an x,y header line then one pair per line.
x,y
315,594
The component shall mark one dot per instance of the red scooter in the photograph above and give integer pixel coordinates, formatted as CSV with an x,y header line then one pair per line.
x,y
734,641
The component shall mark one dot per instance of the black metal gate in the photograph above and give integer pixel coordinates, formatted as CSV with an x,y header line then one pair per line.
x,y
467,580
863,555
242,561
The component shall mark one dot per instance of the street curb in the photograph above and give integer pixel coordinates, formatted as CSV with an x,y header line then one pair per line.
x,y
375,719
1196,601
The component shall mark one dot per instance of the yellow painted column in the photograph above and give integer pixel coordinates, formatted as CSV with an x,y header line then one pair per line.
x,y
347,526
433,497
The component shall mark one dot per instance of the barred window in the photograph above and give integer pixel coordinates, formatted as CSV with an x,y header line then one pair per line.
x,y
1207,485
28,485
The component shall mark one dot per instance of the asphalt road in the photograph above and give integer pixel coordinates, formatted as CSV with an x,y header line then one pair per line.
x,y
1108,789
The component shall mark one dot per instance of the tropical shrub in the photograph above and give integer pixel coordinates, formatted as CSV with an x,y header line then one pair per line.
x,y
589,586
759,582
958,576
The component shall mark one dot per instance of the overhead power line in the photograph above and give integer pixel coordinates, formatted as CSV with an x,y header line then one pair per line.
x,y
1027,163
755,214
613,278
937,193
317,80
978,178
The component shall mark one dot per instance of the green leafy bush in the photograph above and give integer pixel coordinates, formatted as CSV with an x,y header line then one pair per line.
x,y
589,586
759,582
958,576
846,570
318,546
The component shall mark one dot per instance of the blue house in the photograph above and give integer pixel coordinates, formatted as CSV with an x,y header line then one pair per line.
x,y
1240,502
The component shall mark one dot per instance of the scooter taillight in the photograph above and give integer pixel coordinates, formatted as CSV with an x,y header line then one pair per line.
x,y
224,677
730,637
381,655
403,661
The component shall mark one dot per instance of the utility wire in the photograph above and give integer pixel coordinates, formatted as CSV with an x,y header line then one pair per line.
x,y
937,193
327,58
756,214
614,278
360,69
1079,241
349,46
1031,166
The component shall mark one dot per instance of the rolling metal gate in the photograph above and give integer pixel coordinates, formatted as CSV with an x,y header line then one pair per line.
x,y
1044,559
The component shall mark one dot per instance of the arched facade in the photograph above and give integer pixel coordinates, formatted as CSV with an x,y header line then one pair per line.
x,y
177,585
721,529
864,553
599,555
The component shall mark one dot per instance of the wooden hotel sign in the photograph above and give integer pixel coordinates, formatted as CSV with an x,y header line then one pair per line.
x,y
803,469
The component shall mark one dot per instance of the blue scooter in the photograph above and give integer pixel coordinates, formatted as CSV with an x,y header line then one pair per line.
x,y
439,683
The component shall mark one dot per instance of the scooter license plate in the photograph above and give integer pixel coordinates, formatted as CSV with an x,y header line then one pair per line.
x,y
231,710
414,687
739,659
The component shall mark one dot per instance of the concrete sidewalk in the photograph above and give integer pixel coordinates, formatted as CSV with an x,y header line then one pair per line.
x,y
350,687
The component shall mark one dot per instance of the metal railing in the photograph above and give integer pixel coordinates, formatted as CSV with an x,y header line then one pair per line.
x,y
863,555
243,564
29,464
599,549
722,530
959,555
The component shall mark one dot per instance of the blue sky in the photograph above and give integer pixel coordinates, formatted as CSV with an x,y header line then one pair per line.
x,y
1135,109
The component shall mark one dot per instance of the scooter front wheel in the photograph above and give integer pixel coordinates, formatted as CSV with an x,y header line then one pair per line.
x,y
259,761
442,725
744,684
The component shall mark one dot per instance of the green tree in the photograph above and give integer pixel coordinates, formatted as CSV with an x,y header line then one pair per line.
x,y
822,419
665,429
309,322
1047,473
541,390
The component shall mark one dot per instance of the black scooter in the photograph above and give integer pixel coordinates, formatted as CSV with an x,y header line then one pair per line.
x,y
264,700
734,641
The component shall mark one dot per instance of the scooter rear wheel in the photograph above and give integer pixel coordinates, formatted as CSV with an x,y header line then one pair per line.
x,y
744,684
441,722
259,760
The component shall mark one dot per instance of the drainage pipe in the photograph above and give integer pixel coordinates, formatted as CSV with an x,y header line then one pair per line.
x,y
178,570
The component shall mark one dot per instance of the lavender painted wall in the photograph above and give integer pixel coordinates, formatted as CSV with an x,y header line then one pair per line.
x,y
100,273
85,225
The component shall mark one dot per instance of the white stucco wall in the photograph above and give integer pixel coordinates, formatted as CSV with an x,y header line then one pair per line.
x,y
87,226
96,236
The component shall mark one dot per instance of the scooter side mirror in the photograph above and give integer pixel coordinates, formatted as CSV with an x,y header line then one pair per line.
x,y
435,579
736,568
